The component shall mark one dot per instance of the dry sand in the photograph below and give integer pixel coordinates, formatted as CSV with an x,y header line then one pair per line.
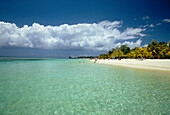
x,y
154,64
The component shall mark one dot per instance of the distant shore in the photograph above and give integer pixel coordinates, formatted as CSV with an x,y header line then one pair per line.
x,y
153,64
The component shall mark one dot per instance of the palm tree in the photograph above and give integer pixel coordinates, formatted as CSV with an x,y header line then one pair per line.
x,y
118,54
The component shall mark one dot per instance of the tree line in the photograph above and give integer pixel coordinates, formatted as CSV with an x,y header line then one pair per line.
x,y
83,57
154,50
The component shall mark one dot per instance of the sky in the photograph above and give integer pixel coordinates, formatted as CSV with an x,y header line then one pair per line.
x,y
63,28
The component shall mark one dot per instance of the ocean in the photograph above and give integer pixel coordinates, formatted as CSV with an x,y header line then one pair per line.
x,y
31,86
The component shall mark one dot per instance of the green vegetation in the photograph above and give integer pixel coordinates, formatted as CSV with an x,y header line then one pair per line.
x,y
154,50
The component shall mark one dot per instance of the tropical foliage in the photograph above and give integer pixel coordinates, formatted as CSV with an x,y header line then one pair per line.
x,y
154,50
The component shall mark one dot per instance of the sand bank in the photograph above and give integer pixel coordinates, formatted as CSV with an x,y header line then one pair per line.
x,y
154,64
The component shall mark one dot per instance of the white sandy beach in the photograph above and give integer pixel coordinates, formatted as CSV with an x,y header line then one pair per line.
x,y
154,64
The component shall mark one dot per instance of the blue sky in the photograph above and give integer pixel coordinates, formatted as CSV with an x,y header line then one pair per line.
x,y
62,28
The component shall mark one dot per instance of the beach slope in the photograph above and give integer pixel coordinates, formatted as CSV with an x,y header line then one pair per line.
x,y
154,64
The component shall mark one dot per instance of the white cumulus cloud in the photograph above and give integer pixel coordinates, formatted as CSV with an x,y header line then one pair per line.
x,y
130,44
158,24
145,17
166,20
95,36
151,25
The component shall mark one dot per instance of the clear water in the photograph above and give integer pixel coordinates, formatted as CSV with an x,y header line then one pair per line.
x,y
60,86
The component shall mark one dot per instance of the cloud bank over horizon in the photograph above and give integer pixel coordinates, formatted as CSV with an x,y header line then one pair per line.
x,y
100,36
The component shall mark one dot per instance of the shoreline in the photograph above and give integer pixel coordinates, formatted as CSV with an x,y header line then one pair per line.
x,y
152,64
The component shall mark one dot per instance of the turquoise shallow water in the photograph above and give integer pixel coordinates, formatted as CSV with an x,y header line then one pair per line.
x,y
60,86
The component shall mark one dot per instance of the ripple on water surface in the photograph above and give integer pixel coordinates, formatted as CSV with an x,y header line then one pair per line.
x,y
54,86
